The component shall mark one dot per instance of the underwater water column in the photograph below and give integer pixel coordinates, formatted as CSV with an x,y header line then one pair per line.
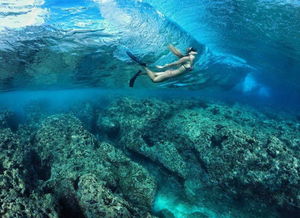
x,y
219,141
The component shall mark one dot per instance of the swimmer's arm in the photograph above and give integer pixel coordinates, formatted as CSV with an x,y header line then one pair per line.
x,y
175,51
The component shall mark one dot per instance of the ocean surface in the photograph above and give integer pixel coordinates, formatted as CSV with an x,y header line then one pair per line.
x,y
222,140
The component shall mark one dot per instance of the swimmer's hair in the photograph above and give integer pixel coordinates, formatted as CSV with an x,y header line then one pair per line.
x,y
190,49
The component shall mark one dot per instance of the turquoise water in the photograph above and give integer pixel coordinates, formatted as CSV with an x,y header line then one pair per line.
x,y
220,141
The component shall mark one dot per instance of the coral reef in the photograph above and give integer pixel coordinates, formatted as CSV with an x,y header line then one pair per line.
x,y
62,170
64,135
99,201
110,160
243,152
18,197
85,111
8,119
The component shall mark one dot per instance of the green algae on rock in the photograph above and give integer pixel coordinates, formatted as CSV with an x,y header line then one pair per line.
x,y
220,146
60,169
73,152
211,152
8,119
19,196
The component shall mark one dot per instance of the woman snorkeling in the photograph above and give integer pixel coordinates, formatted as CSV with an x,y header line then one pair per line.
x,y
184,64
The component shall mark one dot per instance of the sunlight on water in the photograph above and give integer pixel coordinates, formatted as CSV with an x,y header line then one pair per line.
x,y
18,14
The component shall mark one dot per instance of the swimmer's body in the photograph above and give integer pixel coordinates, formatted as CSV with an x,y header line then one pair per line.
x,y
184,64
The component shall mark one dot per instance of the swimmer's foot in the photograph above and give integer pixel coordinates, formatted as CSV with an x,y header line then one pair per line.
x,y
132,80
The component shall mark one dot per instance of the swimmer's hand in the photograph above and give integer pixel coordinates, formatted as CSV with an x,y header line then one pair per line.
x,y
160,67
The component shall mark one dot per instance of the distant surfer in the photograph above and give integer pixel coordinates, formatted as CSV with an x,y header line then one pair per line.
x,y
184,64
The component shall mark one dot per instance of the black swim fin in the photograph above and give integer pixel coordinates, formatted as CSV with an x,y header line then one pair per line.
x,y
132,80
135,59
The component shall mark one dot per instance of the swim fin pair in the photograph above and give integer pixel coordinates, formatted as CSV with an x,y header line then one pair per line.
x,y
136,60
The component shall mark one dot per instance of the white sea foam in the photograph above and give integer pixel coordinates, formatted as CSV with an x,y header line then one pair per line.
x,y
18,14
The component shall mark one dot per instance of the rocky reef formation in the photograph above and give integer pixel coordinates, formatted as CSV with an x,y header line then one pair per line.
x,y
111,160
63,171
244,153
61,138
8,120
19,196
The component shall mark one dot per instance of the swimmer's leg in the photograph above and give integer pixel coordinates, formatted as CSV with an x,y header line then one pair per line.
x,y
150,73
162,76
